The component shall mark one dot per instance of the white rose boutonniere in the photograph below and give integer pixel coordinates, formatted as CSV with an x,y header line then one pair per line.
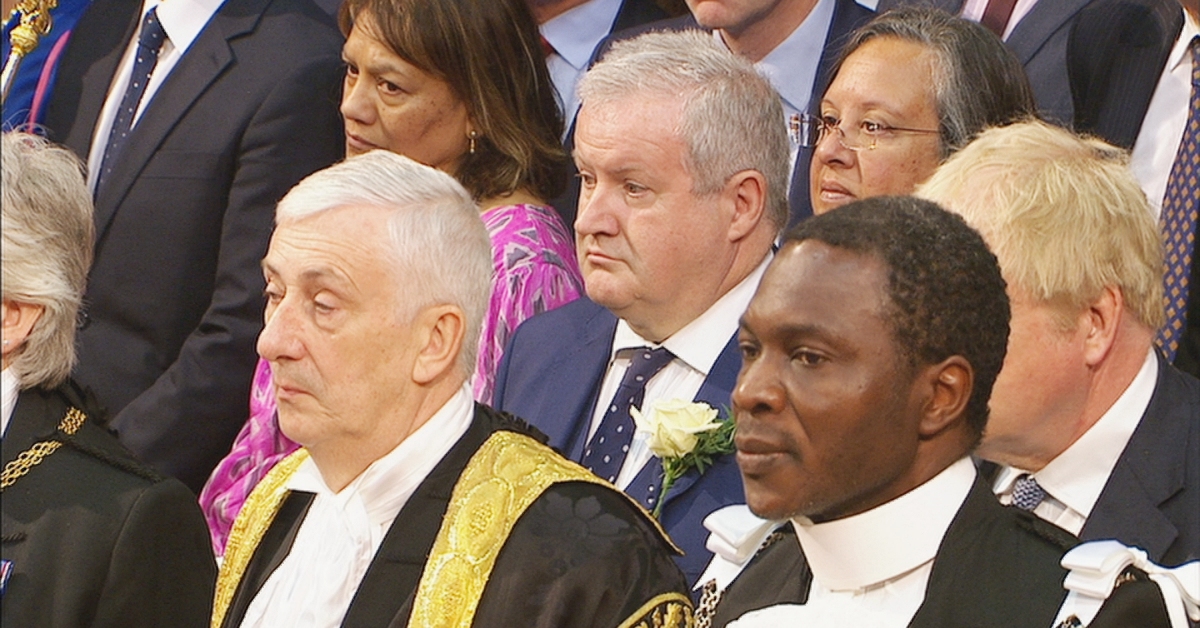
x,y
683,434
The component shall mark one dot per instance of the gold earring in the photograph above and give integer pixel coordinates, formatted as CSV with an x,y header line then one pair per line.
x,y
472,135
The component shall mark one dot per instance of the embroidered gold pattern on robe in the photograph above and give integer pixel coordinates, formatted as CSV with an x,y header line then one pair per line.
x,y
508,473
248,529
669,610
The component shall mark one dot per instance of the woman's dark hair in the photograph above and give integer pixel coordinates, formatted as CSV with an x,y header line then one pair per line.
x,y
978,82
490,54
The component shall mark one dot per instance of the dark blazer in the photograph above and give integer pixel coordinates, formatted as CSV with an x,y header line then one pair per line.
x,y
1040,41
997,567
848,15
551,375
1152,498
1115,58
95,538
175,293
618,560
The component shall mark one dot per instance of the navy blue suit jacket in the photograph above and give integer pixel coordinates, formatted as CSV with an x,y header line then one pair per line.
x,y
1152,498
551,376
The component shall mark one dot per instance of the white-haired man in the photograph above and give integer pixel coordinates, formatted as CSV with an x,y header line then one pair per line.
x,y
409,504
1094,430
683,165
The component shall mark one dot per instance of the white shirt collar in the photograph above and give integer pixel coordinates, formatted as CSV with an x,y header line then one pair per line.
x,y
699,343
1077,476
182,20
575,33
888,541
9,389
385,486
1179,52
791,67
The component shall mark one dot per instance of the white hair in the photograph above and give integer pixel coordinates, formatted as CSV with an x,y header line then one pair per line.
x,y
441,250
732,118
48,231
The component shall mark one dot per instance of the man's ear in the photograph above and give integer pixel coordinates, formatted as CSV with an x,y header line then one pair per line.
x,y
748,192
441,329
1100,322
18,321
949,383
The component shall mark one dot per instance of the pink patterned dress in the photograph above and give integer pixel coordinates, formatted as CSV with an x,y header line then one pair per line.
x,y
535,268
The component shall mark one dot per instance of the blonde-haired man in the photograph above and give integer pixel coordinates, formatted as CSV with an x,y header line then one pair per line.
x,y
1093,430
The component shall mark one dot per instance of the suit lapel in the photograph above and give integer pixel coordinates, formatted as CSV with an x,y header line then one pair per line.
x,y
1150,471
1032,32
203,62
574,382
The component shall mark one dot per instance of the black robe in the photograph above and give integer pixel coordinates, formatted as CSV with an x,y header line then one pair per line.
x,y
582,554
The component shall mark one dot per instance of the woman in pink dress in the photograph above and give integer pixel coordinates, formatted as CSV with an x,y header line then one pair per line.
x,y
462,86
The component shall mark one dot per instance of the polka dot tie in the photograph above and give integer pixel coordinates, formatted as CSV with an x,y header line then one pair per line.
x,y
1027,493
605,453
1179,211
149,43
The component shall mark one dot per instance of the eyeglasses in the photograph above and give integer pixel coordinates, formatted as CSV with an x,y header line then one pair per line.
x,y
808,131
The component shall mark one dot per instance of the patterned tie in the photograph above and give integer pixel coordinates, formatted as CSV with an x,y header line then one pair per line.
x,y
1178,222
149,43
1027,493
606,451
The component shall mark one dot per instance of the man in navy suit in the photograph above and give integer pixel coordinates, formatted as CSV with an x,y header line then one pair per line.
x,y
683,165
185,210
1094,430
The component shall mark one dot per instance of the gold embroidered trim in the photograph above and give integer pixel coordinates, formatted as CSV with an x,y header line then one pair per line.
x,y
251,524
667,610
30,458
508,473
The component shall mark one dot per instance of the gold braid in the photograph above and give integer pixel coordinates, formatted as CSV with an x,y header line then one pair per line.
x,y
33,456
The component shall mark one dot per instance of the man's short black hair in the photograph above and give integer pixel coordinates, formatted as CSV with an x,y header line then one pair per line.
x,y
947,295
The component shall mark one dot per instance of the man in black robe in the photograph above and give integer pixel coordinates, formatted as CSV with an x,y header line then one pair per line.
x,y
409,504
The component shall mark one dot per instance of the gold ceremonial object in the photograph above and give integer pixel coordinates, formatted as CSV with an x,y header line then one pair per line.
x,y
35,24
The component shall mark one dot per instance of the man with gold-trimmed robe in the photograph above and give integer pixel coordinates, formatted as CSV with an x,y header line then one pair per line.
x,y
409,504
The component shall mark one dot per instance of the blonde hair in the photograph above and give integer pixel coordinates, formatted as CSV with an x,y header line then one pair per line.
x,y
1063,213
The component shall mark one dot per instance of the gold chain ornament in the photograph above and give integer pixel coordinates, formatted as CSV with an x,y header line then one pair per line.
x,y
33,456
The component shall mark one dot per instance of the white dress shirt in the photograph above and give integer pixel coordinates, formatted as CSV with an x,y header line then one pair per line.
x,y
1075,478
1162,128
696,348
341,532
872,569
973,10
182,21
574,34
9,389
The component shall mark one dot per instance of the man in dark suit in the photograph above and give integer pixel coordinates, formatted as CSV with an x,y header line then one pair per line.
x,y
680,205
795,43
184,206
1038,37
90,537
410,505
869,353
1095,432
1131,64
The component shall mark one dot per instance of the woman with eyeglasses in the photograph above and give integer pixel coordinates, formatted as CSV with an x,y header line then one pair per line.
x,y
912,86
